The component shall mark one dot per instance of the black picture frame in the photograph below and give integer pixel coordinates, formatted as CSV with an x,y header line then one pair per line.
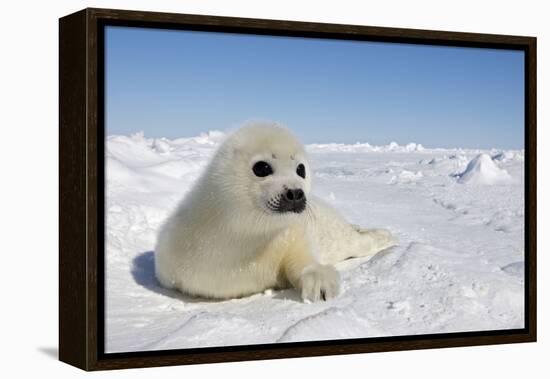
x,y
81,183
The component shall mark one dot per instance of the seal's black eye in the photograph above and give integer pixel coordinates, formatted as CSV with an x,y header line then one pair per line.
x,y
301,170
262,169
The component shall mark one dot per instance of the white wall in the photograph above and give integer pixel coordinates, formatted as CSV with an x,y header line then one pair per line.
x,y
28,205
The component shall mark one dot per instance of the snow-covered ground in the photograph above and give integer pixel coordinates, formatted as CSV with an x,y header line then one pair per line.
x,y
458,215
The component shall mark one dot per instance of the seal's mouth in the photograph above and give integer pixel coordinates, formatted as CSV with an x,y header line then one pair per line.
x,y
290,201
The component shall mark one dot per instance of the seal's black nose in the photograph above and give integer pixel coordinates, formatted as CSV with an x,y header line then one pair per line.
x,y
294,195
292,200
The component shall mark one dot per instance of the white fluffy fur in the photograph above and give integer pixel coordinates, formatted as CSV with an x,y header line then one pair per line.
x,y
223,240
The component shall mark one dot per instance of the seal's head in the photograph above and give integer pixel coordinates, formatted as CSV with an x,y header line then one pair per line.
x,y
265,170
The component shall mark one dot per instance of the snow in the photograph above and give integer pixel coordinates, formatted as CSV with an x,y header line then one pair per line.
x,y
483,170
365,147
458,267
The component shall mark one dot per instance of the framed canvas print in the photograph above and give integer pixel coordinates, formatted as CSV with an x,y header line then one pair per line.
x,y
238,189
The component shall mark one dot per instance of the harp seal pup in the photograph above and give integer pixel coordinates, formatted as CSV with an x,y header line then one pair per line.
x,y
250,224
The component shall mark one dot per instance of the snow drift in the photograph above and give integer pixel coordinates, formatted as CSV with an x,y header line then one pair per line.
x,y
482,170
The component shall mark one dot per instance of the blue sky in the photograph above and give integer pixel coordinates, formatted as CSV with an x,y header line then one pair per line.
x,y
180,83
